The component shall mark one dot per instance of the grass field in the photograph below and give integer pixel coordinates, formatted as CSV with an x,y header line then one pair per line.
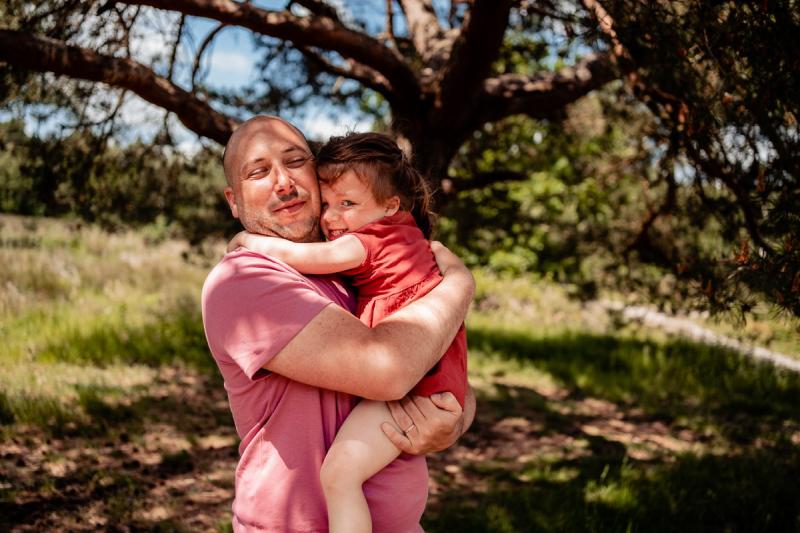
x,y
113,417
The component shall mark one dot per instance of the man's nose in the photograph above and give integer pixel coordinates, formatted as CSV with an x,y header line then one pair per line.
x,y
284,183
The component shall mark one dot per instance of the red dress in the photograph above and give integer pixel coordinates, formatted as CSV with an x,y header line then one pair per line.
x,y
398,269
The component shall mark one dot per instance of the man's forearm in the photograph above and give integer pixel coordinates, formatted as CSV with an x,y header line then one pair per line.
x,y
421,332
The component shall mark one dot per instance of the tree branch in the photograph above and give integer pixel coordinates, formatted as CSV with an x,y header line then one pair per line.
x,y
539,96
321,32
480,180
752,218
174,53
546,10
355,71
606,25
390,23
642,238
423,26
473,53
198,57
321,9
42,54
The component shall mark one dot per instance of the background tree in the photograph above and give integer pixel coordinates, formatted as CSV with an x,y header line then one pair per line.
x,y
717,79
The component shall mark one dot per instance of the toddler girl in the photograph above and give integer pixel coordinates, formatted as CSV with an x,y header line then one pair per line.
x,y
376,217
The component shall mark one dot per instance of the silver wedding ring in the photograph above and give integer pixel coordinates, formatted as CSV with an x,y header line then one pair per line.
x,y
409,428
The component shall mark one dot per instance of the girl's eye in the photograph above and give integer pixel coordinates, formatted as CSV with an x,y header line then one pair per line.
x,y
348,203
324,206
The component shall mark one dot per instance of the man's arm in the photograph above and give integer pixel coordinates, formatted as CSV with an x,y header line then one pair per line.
x,y
307,257
337,351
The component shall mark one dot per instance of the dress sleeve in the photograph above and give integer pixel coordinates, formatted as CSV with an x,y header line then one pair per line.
x,y
253,307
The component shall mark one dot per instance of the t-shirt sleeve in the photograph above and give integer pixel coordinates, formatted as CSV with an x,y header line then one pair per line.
x,y
253,307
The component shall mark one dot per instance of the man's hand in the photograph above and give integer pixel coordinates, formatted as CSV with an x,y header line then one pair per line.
x,y
447,260
430,424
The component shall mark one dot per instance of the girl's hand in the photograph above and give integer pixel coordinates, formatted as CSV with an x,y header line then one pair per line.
x,y
262,244
239,240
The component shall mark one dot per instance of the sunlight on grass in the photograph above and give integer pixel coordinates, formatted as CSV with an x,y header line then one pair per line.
x,y
488,369
53,395
653,374
617,494
86,314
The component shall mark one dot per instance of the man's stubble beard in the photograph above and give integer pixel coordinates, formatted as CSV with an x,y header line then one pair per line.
x,y
300,231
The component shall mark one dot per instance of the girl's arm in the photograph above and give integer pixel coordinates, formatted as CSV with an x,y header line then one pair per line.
x,y
309,258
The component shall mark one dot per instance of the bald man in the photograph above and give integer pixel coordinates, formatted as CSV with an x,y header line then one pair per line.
x,y
295,360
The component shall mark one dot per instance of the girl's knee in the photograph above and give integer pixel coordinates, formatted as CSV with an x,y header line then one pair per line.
x,y
333,473
340,468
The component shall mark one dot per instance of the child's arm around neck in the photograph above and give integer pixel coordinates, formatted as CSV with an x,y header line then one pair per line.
x,y
330,257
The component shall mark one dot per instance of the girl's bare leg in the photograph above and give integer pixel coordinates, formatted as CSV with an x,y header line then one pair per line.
x,y
359,451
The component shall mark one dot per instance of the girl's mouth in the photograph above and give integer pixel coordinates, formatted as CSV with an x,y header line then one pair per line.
x,y
335,233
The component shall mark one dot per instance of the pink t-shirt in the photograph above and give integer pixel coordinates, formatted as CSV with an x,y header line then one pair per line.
x,y
252,307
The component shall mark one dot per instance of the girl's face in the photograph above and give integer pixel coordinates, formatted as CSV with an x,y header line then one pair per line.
x,y
349,204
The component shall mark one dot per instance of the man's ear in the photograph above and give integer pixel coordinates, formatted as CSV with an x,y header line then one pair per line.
x,y
392,205
231,201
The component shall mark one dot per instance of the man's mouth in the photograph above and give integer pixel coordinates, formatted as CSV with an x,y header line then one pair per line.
x,y
335,233
290,208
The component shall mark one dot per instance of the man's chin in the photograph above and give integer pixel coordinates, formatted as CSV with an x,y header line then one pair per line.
x,y
307,231
298,231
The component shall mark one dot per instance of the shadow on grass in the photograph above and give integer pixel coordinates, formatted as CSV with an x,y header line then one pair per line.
x,y
673,379
101,412
752,492
92,416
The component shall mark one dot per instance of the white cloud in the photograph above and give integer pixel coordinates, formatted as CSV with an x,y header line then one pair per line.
x,y
321,126
229,67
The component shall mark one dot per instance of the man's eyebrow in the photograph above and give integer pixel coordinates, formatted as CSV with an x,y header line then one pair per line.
x,y
292,148
252,162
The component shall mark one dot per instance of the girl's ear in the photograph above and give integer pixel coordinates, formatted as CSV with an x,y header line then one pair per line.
x,y
392,205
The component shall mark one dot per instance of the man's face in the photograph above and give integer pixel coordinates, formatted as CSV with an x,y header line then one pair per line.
x,y
272,178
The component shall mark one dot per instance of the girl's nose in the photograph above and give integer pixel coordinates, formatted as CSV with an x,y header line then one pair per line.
x,y
330,214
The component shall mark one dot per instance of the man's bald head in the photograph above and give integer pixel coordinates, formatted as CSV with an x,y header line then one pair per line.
x,y
249,126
